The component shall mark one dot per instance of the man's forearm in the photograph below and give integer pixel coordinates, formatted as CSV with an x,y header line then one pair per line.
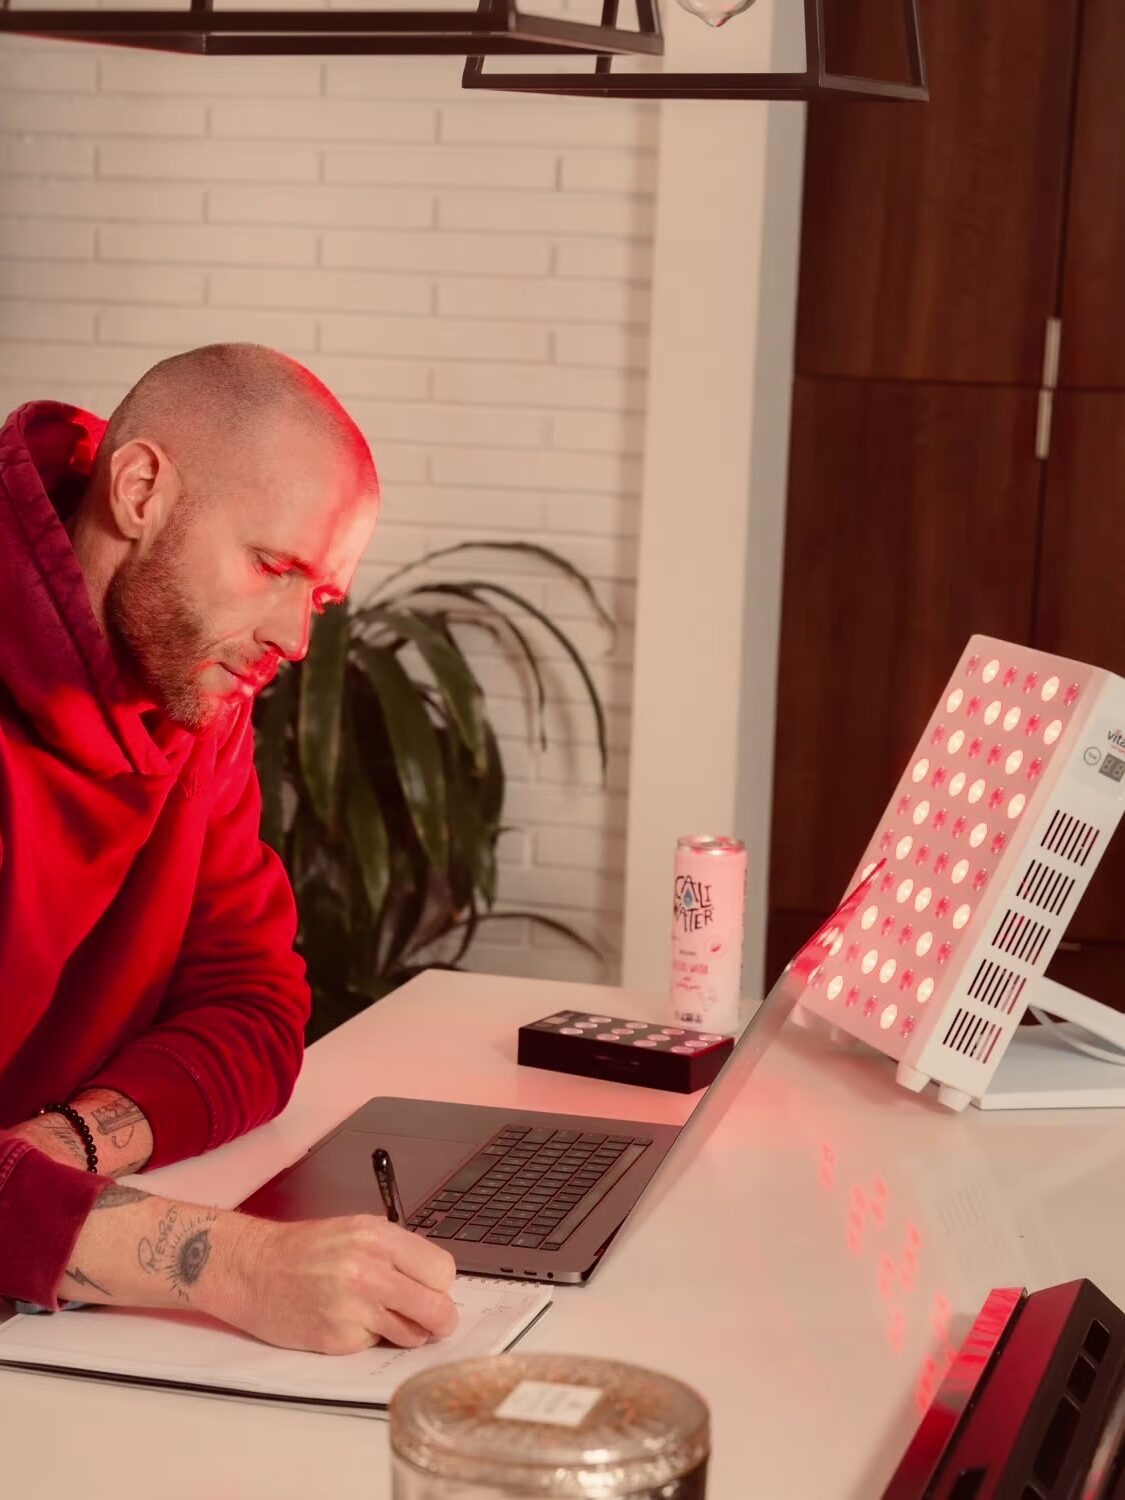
x,y
139,1250
121,1133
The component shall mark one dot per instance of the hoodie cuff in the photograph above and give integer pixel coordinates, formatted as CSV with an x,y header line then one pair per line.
x,y
167,1094
43,1206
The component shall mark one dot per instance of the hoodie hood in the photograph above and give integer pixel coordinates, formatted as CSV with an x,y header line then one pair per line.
x,y
56,665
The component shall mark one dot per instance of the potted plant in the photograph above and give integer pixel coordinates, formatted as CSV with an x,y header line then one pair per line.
x,y
383,781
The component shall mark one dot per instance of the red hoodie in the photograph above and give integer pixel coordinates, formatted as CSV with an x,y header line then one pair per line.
x,y
145,931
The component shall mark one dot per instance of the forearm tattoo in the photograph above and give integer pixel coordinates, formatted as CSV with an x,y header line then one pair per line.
x,y
79,1276
118,1120
66,1136
181,1249
118,1197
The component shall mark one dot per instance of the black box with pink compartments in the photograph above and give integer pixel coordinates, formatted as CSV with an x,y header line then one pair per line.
x,y
623,1051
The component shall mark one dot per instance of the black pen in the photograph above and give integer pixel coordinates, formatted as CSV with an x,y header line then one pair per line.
x,y
388,1186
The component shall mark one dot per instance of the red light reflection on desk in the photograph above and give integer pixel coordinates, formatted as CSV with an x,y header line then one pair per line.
x,y
893,1273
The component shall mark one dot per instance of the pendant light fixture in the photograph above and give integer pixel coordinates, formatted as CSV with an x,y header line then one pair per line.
x,y
495,28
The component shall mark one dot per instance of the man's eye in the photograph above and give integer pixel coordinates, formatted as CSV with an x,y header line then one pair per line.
x,y
269,567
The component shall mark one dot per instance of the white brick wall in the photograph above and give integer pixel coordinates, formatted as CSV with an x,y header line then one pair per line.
x,y
469,274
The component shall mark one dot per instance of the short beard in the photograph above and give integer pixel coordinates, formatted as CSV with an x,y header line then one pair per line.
x,y
152,620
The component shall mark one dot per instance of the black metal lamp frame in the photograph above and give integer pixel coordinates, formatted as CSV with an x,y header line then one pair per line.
x,y
816,82
494,28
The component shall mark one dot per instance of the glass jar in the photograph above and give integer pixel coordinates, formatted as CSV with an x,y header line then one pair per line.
x,y
533,1426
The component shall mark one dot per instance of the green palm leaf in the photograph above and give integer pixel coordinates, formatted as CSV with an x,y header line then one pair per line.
x,y
272,714
414,742
530,549
319,730
455,681
367,832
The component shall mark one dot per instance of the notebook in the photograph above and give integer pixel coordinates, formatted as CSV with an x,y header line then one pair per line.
x,y
192,1351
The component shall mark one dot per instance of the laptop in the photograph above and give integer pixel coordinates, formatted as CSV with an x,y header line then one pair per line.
x,y
534,1196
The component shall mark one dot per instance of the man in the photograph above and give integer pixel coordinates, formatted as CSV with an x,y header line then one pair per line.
x,y
153,575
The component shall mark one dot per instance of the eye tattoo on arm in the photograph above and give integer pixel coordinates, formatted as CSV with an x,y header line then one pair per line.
x,y
180,1251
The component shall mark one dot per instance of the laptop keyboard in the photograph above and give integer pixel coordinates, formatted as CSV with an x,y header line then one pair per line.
x,y
530,1188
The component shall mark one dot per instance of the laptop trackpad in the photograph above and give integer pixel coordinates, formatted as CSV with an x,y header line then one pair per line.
x,y
337,1178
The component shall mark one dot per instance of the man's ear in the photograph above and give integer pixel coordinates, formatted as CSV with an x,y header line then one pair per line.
x,y
143,486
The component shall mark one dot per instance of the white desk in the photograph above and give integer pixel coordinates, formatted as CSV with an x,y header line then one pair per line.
x,y
806,1272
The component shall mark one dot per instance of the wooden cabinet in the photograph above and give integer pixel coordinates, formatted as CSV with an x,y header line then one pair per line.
x,y
931,232
938,241
1093,300
911,523
1081,613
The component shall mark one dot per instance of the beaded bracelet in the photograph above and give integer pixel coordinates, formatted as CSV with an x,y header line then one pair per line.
x,y
82,1128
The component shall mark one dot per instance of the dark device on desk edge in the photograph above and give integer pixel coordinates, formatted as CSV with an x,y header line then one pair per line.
x,y
623,1051
1032,1408
515,1192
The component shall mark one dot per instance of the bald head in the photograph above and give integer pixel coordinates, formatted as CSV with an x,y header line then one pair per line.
x,y
232,497
223,404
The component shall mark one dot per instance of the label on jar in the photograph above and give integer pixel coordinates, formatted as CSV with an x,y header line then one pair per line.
x,y
548,1401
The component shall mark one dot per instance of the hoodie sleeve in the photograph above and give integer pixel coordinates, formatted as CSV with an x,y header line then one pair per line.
x,y
43,1206
226,1046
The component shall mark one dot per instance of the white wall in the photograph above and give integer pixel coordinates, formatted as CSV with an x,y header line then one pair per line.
x,y
716,450
469,272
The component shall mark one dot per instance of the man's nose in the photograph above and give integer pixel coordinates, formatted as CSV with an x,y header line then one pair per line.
x,y
287,630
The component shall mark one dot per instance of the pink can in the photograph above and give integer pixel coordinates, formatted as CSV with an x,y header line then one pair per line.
x,y
708,907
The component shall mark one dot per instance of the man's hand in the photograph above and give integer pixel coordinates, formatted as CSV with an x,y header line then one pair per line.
x,y
331,1285
338,1285
121,1133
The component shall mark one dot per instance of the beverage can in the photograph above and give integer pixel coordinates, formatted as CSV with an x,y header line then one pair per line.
x,y
708,907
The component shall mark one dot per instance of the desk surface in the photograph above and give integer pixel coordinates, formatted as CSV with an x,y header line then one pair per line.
x,y
808,1270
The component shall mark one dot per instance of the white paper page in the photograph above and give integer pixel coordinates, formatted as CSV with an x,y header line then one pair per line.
x,y
191,1349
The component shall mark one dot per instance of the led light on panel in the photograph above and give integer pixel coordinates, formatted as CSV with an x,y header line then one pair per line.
x,y
1017,785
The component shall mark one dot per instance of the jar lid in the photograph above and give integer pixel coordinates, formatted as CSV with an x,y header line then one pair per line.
x,y
550,1425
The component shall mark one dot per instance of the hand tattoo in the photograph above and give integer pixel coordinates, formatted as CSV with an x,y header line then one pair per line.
x,y
82,1279
118,1121
66,1136
180,1251
117,1197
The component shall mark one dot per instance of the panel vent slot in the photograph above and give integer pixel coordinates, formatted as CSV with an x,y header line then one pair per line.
x,y
972,1036
1070,838
1021,937
1044,886
997,987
